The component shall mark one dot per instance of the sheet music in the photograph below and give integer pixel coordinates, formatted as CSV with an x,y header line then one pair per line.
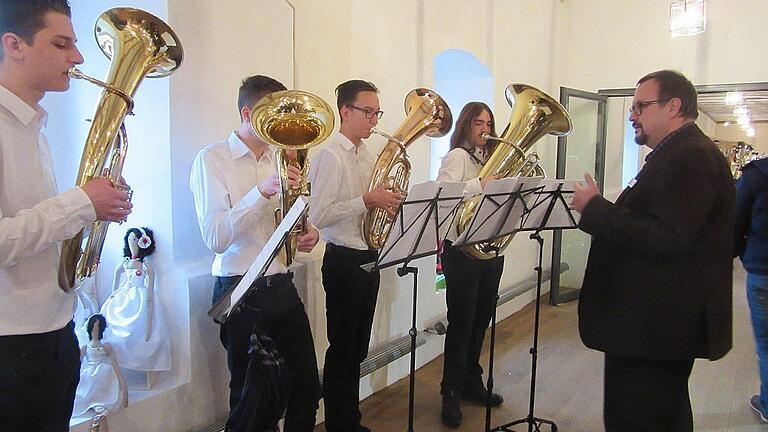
x,y
483,225
413,213
448,206
225,305
525,187
560,216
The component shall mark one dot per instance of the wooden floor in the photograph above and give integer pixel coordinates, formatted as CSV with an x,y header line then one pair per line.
x,y
569,383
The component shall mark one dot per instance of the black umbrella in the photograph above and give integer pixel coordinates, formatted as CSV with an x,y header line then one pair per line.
x,y
265,392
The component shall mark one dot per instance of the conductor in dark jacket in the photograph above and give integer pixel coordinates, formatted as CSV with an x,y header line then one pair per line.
x,y
657,287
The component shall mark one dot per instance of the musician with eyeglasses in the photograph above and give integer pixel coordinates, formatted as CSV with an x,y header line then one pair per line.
x,y
657,287
471,284
235,185
39,355
339,174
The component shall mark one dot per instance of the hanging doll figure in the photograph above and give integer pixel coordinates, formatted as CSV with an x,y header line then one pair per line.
x,y
102,388
86,305
136,328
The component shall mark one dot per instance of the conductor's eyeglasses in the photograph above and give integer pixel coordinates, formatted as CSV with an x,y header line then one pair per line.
x,y
638,107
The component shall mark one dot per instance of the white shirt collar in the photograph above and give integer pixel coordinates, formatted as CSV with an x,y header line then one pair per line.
x,y
21,110
238,149
347,145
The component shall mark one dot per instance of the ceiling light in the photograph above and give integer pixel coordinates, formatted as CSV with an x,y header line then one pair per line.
x,y
740,111
751,132
733,98
687,17
743,121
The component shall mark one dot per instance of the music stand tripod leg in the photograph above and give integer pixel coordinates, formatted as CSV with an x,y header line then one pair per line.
x,y
402,271
534,423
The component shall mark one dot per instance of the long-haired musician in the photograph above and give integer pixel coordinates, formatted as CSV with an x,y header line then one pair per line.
x,y
39,357
471,284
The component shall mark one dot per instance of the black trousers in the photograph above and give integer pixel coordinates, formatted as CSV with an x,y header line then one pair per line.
x,y
350,302
647,395
38,378
471,289
279,313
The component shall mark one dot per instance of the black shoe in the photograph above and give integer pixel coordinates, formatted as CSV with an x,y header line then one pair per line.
x,y
754,403
451,415
479,395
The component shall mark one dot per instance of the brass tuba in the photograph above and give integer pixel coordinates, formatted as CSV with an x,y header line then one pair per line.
x,y
534,114
139,45
426,113
293,121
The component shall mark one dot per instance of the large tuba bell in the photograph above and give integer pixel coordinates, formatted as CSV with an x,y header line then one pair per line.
x,y
293,121
139,45
426,113
534,114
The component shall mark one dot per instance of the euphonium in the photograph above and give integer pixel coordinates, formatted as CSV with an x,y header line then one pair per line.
x,y
139,44
293,121
426,113
534,114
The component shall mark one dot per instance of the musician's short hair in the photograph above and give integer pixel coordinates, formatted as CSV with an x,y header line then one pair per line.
x,y
27,17
346,92
673,84
254,88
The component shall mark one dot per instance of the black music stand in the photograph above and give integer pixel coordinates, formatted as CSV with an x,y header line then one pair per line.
x,y
500,212
550,211
418,225
232,297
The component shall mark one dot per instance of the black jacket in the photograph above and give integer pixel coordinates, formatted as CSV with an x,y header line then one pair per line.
x,y
658,281
752,217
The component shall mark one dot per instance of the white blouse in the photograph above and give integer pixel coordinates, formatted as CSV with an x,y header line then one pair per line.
x,y
460,166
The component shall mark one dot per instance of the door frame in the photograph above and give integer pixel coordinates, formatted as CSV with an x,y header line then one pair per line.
x,y
556,296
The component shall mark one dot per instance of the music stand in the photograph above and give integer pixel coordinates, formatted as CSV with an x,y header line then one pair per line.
x,y
232,298
419,223
500,212
550,211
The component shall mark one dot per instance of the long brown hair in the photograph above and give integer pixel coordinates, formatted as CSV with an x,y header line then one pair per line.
x,y
460,136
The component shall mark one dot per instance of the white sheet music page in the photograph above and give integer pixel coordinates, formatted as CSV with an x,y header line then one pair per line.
x,y
404,235
483,225
561,212
451,195
525,188
559,216
262,261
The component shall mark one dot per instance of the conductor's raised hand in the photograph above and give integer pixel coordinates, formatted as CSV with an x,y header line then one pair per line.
x,y
111,204
584,193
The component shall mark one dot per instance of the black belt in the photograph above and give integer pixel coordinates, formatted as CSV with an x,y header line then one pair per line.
x,y
273,280
368,254
264,281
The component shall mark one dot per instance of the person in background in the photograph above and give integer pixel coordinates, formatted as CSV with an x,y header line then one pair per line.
x,y
752,246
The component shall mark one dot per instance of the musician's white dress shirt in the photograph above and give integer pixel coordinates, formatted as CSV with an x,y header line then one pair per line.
x,y
340,174
235,219
34,218
460,166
